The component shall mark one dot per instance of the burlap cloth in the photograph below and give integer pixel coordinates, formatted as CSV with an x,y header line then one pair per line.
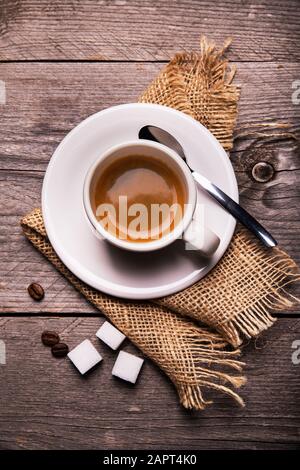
x,y
236,298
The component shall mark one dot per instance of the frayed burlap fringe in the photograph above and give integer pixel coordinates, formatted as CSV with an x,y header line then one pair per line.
x,y
236,297
200,85
188,354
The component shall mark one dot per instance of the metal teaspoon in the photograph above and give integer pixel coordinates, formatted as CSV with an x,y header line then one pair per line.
x,y
159,135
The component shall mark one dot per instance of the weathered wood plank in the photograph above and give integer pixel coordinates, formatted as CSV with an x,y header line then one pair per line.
x,y
46,404
20,264
148,30
44,101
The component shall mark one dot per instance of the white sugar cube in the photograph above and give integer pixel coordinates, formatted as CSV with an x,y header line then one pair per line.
x,y
110,335
127,367
84,356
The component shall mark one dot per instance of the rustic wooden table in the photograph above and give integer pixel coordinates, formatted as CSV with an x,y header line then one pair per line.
x,y
60,62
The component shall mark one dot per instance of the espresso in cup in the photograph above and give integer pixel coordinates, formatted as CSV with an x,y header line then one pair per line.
x,y
139,198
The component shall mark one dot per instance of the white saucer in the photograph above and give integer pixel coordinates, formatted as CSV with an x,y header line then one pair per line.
x,y
96,262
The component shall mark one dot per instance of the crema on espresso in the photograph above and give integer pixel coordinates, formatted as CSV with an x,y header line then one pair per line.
x,y
139,198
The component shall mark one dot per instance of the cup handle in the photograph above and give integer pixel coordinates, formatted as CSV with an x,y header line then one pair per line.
x,y
203,239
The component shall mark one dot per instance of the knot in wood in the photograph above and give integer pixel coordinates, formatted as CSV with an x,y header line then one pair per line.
x,y
263,172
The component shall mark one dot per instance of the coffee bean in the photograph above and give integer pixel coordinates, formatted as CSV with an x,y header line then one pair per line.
x,y
60,350
50,338
36,291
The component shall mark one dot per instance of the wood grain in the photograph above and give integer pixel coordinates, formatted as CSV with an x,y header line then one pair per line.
x,y
146,30
44,101
46,404
79,57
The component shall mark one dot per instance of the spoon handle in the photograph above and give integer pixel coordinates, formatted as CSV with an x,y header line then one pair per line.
x,y
236,210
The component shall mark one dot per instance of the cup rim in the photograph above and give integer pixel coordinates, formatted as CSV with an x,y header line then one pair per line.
x,y
149,245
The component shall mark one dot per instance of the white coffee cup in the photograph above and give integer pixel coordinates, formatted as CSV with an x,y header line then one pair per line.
x,y
196,234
